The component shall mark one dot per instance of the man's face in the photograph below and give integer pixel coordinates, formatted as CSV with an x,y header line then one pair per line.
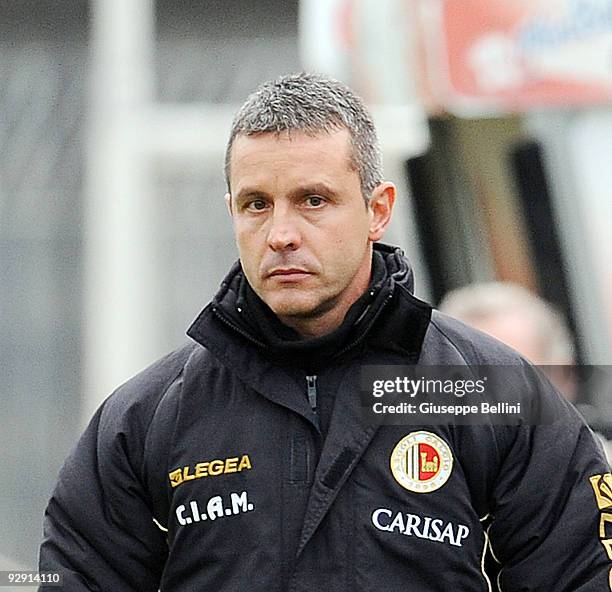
x,y
302,228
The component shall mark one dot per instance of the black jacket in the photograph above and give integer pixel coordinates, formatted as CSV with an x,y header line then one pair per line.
x,y
208,471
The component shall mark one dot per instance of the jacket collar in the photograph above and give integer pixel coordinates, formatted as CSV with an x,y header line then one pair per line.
x,y
392,318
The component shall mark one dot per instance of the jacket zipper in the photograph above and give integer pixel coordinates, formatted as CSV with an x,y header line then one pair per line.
x,y
311,383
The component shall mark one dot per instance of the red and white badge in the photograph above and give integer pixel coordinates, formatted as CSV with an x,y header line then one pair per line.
x,y
421,462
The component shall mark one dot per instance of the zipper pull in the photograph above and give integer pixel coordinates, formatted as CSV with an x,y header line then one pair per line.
x,y
311,382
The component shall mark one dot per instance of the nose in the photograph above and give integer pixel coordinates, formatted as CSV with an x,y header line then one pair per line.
x,y
284,233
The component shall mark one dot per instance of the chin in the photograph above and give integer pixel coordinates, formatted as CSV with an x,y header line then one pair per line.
x,y
292,306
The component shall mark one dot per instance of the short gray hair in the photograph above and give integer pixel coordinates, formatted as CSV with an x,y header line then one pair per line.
x,y
481,302
312,103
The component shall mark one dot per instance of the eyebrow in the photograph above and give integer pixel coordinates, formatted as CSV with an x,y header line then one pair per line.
x,y
248,192
307,189
314,189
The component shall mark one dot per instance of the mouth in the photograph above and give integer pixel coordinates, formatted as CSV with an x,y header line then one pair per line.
x,y
288,273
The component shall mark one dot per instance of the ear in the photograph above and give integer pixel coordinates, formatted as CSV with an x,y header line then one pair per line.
x,y
228,203
380,207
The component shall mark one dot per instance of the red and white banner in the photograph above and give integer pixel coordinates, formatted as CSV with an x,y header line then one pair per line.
x,y
517,54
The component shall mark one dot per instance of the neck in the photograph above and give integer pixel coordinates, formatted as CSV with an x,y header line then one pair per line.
x,y
317,326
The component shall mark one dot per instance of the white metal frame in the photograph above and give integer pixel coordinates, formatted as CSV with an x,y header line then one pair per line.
x,y
127,132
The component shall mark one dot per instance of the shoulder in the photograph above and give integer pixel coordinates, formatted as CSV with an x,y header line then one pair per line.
x,y
136,401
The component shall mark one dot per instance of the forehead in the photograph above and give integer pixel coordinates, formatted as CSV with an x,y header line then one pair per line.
x,y
291,153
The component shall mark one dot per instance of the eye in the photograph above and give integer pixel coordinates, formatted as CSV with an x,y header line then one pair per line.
x,y
315,201
257,205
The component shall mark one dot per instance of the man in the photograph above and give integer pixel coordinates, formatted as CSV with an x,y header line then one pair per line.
x,y
242,462
522,320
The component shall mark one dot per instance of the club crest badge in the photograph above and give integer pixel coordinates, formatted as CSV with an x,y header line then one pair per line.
x,y
421,462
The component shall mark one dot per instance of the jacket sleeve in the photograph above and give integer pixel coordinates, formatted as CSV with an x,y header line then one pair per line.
x,y
99,528
547,531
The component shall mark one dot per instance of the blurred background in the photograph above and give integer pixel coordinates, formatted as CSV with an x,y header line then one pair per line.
x,y
496,123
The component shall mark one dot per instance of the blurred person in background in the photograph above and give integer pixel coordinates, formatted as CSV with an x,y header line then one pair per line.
x,y
530,325
242,460
522,320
